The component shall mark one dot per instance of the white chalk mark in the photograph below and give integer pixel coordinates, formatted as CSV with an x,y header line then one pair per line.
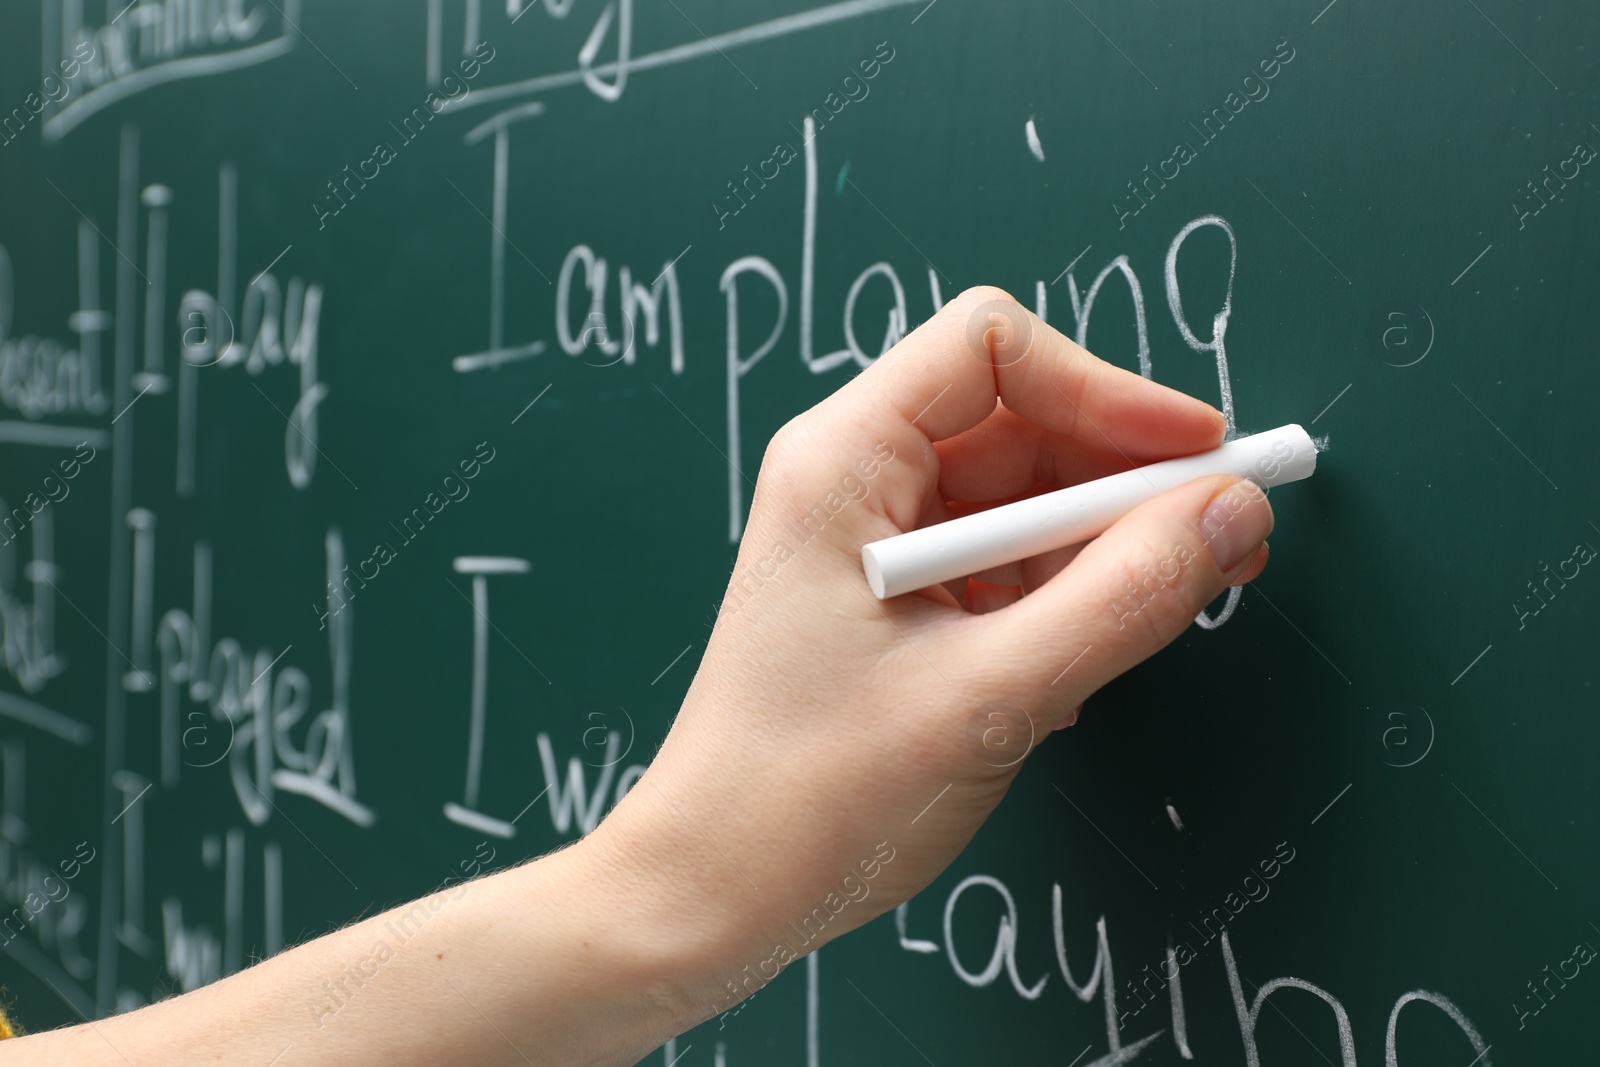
x,y
1331,803
1502,433
1113,44
271,665
1324,11
669,266
498,200
323,793
1102,833
131,803
495,358
702,433
63,121
497,629
674,662
1073,664
890,1021
489,565
476,820
851,182
1298,230
1502,833
18,432
1474,263
532,402
1301,632
683,53
435,51
1074,263
708,40
932,402
931,803
924,11
297,430
1177,823
269,266
1034,146
1473,664
40,717
1513,44
1332,402
502,120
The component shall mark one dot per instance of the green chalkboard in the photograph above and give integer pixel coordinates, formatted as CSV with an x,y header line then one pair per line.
x,y
379,382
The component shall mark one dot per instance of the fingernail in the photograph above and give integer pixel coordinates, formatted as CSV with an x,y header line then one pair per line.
x,y
1235,523
1072,717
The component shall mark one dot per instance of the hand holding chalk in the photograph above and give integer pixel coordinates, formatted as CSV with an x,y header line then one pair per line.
x,y
1012,532
828,734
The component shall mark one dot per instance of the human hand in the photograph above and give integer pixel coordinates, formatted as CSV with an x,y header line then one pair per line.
x,y
835,753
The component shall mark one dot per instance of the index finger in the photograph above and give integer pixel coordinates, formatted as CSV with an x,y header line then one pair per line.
x,y
947,376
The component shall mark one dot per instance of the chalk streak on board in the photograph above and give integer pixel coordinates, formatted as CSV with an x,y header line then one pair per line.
x,y
40,717
19,432
1502,433
60,123
1474,263
1473,664
1331,803
1502,833
605,18
1172,813
495,358
1034,145
1102,833
683,53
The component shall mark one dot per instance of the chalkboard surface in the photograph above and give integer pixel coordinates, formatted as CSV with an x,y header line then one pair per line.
x,y
381,387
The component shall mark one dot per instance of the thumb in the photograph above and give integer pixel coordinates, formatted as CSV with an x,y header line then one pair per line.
x,y
1132,590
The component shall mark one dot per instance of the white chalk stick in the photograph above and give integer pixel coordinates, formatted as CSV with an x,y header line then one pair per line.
x,y
1071,516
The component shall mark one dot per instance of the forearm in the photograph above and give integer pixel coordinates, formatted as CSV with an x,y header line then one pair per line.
x,y
546,963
